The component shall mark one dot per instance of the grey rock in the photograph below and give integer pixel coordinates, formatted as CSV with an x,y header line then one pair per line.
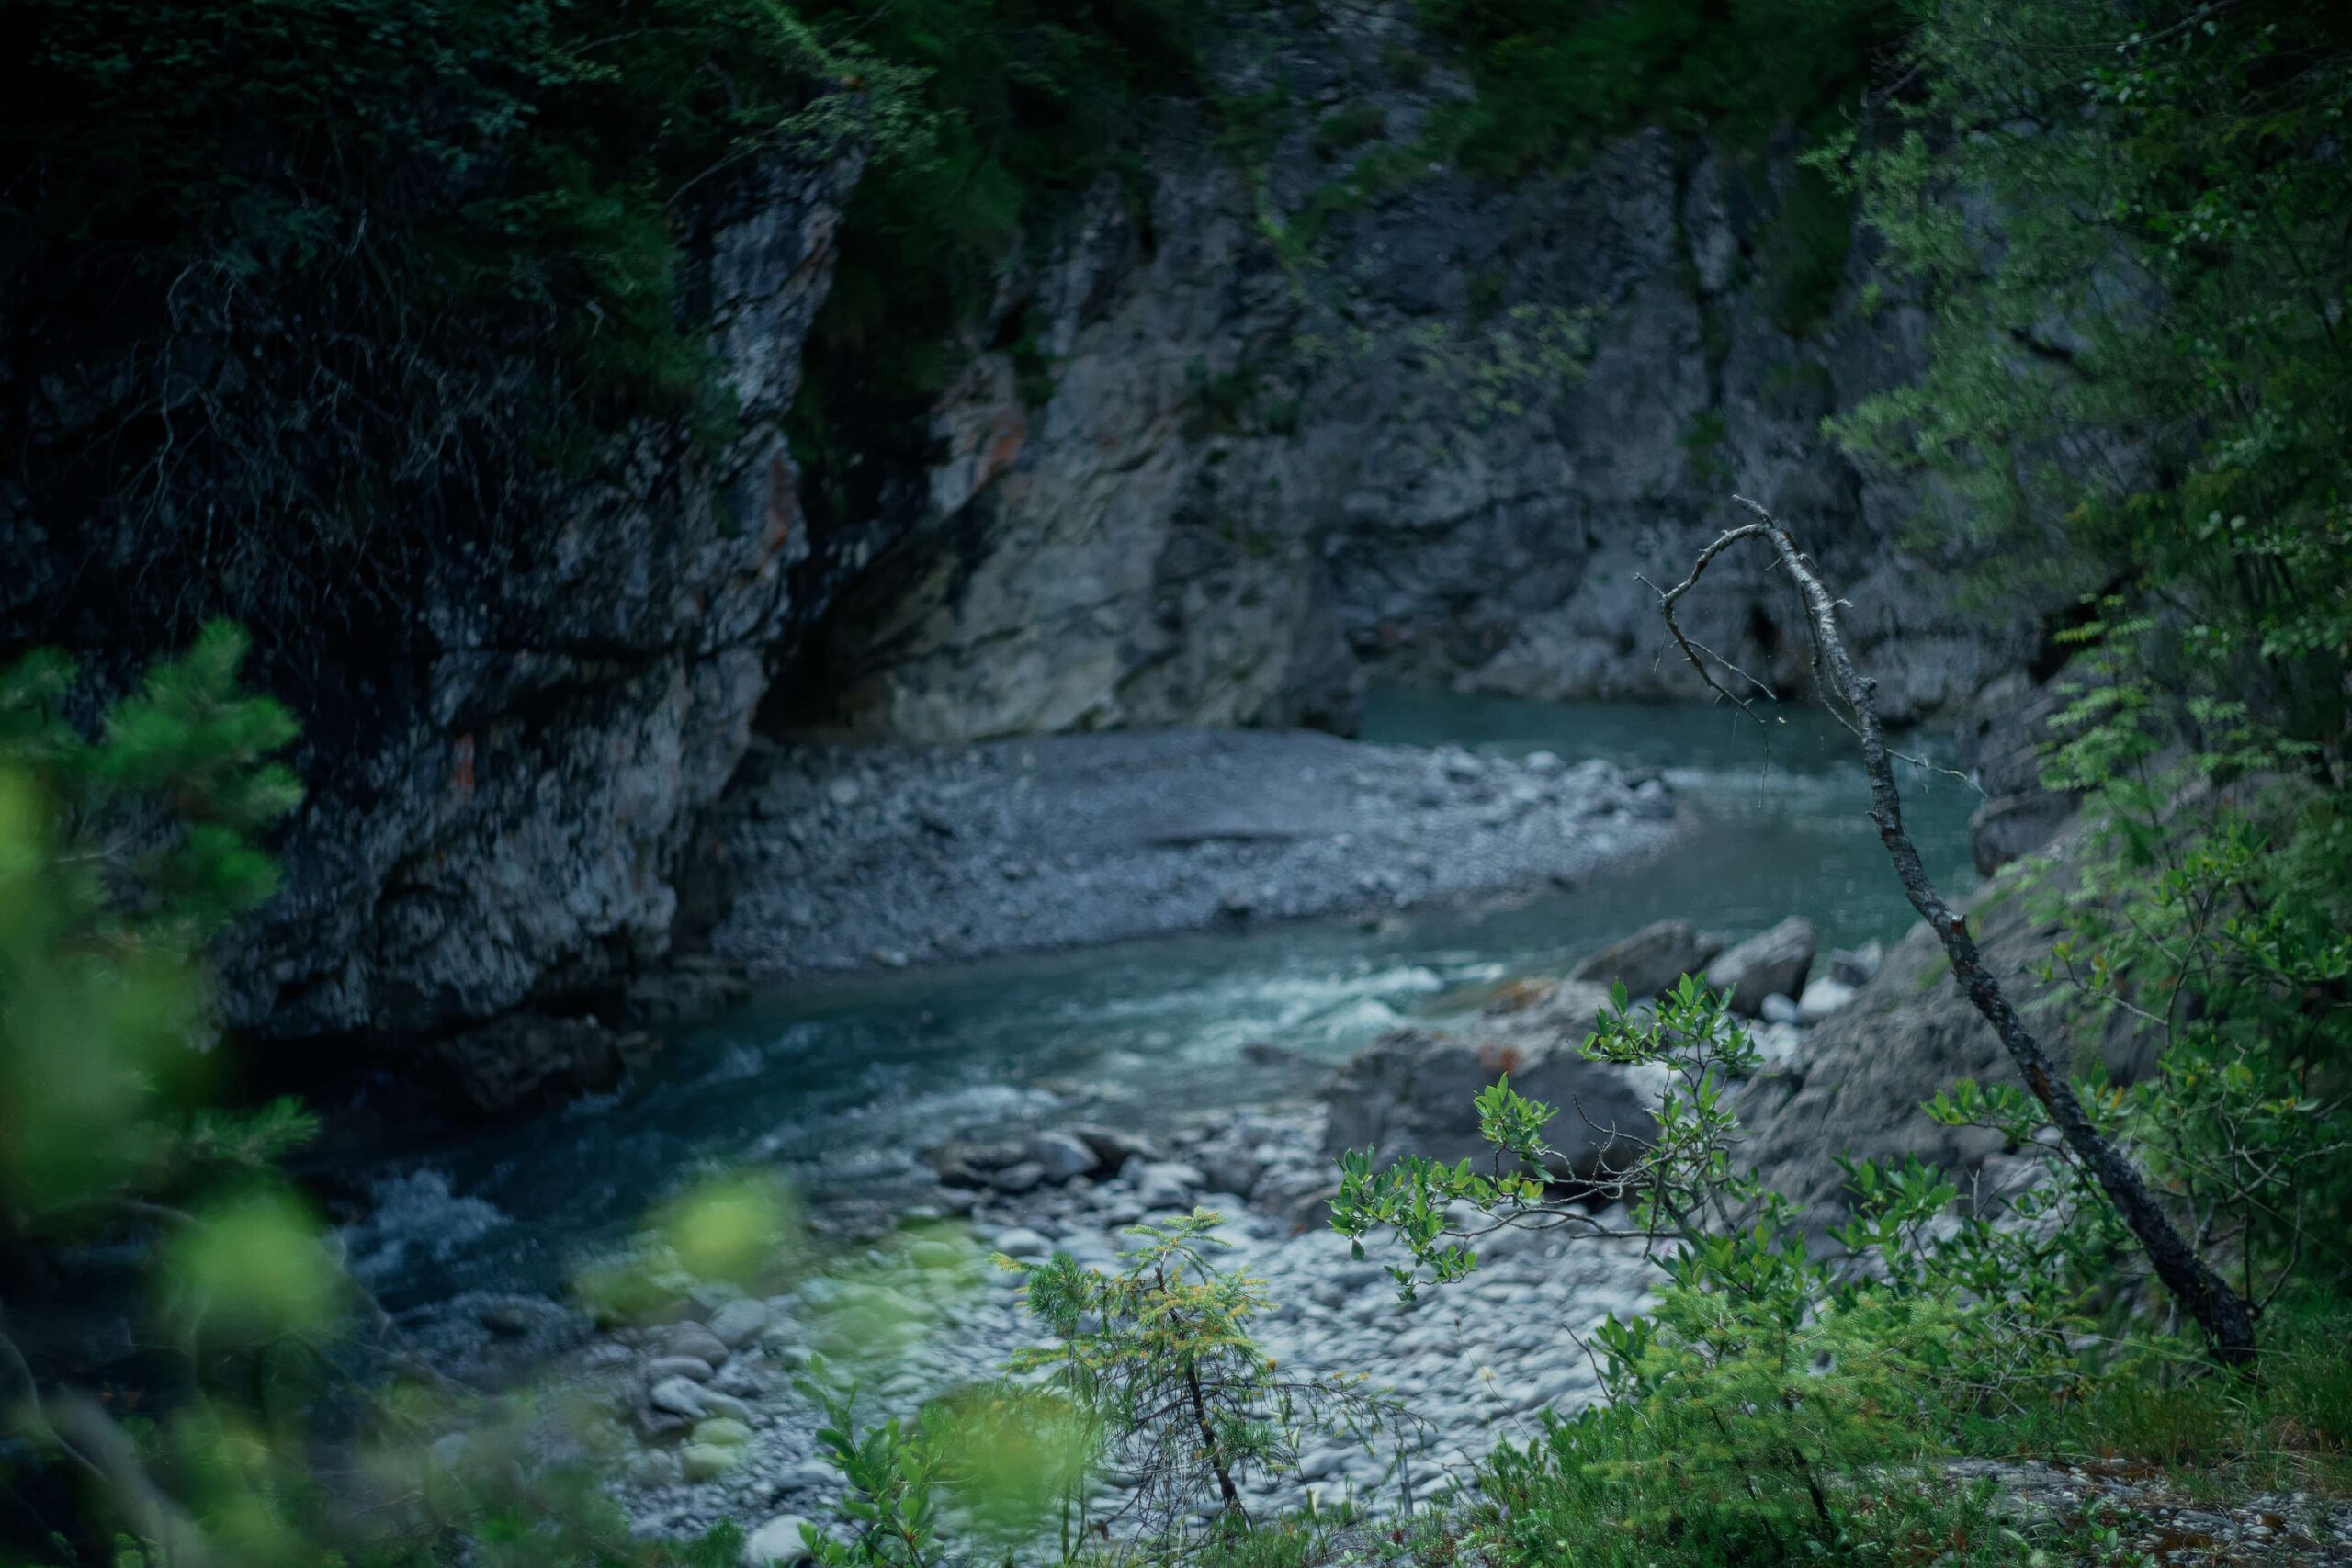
x,y
727,1405
1023,1243
1166,1184
1228,1170
2011,827
560,698
1774,961
1061,1155
723,1431
1411,1092
707,1461
809,1475
1858,965
653,1467
680,1397
1779,1008
1019,1178
739,1322
694,1339
661,1368
1649,961
2002,737
1823,996
1858,1086
1113,1148
779,1543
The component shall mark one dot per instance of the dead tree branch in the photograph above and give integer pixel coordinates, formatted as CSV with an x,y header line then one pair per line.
x,y
2225,1317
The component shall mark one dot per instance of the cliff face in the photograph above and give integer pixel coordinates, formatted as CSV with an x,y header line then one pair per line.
x,y
1196,470
497,790
505,830
1441,444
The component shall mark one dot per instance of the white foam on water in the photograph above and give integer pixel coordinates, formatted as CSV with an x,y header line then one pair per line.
x,y
416,1217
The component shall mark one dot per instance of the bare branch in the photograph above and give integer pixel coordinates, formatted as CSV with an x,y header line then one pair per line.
x,y
2224,1314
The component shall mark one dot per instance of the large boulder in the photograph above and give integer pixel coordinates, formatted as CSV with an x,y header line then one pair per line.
x,y
1773,964
1856,1086
1412,1092
525,1059
1649,961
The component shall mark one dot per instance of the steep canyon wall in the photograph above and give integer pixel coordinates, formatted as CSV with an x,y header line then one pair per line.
x,y
1197,468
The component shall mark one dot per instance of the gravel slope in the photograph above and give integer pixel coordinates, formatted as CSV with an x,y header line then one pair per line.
x,y
833,858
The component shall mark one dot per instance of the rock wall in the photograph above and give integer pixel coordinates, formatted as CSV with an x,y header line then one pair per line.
x,y
499,791
1442,441
1444,444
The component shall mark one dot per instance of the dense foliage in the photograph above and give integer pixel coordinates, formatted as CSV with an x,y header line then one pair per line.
x,y
2128,228
326,264
2132,241
1554,80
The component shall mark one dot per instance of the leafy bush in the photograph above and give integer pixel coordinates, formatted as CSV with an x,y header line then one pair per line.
x,y
312,291
1555,80
1178,1399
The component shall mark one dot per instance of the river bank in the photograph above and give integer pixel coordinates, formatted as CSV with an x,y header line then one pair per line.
x,y
831,858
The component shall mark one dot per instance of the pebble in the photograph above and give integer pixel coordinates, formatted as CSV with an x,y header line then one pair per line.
x,y
707,1461
739,1322
1021,1242
680,1397
661,1368
722,1431
1330,1314
777,1542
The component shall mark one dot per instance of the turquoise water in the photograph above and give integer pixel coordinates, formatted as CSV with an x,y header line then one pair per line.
x,y
842,1081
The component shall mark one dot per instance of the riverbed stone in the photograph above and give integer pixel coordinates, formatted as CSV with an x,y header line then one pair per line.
x,y
726,1404
1114,1147
1021,1242
1412,1092
779,1543
724,1432
1823,996
739,1322
1167,1184
1649,961
1020,1177
1062,1156
679,1396
1779,1007
661,1368
694,1339
707,1461
1770,962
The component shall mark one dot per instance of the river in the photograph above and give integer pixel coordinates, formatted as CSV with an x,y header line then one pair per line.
x,y
842,1081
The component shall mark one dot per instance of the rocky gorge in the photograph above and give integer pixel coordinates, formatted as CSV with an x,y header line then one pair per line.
x,y
702,1418
1280,433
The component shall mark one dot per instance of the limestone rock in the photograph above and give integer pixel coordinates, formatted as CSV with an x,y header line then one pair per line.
x,y
739,1322
1058,1156
679,1396
1412,1092
1773,961
1823,997
722,1431
663,1367
1649,961
1856,1086
778,1543
1166,1184
708,1461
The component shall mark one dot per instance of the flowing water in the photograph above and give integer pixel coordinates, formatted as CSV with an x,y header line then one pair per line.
x,y
842,1081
